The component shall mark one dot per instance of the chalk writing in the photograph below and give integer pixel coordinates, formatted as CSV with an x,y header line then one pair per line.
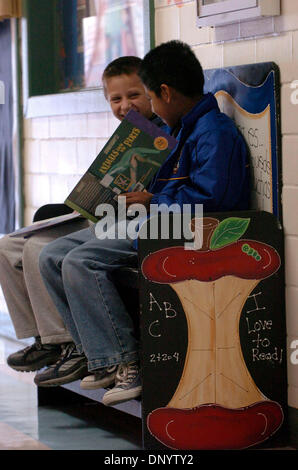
x,y
152,302
258,332
260,154
258,325
254,296
277,355
255,128
163,357
167,307
153,329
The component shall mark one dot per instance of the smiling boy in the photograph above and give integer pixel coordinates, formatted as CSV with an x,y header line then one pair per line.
x,y
30,306
125,90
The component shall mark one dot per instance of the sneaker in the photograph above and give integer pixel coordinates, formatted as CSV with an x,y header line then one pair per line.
x,y
128,385
34,357
101,378
70,366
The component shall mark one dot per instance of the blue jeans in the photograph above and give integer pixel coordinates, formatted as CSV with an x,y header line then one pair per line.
x,y
76,270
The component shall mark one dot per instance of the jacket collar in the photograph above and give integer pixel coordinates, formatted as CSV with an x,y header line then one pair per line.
x,y
203,106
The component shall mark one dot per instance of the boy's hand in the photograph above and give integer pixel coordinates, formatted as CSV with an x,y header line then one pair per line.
x,y
138,197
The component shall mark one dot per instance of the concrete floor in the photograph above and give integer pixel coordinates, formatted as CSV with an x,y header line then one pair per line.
x,y
73,426
26,426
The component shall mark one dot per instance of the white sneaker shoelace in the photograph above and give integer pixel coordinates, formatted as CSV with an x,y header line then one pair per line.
x,y
126,374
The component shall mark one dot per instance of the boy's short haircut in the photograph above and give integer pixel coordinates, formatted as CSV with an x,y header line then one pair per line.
x,y
174,64
125,65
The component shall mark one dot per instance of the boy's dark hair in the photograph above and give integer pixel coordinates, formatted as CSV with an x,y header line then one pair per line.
x,y
123,65
174,64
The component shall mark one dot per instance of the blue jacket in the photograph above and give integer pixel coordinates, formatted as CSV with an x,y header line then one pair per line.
x,y
213,167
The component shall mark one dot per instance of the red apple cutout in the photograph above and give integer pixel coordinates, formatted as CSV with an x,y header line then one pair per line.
x,y
216,404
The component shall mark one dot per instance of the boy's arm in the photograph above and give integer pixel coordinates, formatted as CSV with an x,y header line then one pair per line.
x,y
218,169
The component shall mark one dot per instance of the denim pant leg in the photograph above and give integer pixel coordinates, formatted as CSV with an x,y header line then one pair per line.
x,y
105,327
50,264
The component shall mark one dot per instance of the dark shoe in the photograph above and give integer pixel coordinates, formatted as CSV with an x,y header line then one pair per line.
x,y
101,378
34,357
128,385
70,366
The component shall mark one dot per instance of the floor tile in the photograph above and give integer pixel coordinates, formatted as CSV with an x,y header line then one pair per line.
x,y
87,426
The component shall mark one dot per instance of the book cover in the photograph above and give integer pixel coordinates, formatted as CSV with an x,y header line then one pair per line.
x,y
127,162
44,224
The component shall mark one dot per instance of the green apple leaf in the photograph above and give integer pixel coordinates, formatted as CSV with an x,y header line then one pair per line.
x,y
228,231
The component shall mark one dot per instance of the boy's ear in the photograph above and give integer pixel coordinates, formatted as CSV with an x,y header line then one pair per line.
x,y
166,92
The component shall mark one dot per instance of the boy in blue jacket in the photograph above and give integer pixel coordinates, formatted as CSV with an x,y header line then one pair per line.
x,y
209,166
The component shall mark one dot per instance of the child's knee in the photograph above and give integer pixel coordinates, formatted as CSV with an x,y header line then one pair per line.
x,y
46,258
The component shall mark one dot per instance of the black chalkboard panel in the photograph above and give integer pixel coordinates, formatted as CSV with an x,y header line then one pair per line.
x,y
213,335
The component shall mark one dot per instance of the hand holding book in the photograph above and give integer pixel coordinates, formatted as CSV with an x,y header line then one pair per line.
x,y
138,197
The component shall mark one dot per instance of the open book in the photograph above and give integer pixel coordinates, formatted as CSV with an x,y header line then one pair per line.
x,y
127,162
44,224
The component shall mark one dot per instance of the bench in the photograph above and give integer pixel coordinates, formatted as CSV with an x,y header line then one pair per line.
x,y
250,95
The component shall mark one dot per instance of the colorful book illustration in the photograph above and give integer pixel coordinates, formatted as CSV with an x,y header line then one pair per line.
x,y
128,162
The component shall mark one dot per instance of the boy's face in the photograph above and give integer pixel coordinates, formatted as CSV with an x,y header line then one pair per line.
x,y
125,92
161,105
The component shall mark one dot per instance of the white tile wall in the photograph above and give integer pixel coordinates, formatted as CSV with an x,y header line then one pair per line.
x,y
32,156
167,25
98,125
189,32
289,111
29,214
288,20
86,152
290,159
59,188
39,128
57,151
239,53
291,260
290,218
37,190
292,317
210,56
293,394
